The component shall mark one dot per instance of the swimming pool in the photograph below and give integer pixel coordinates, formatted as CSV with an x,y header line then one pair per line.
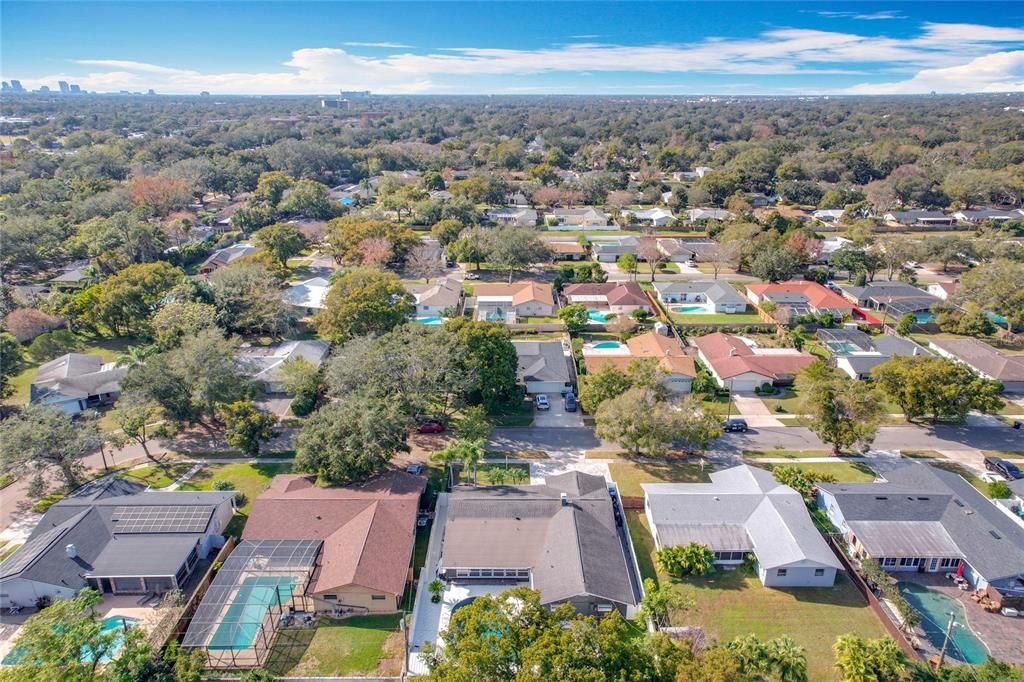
x,y
840,346
690,309
596,315
934,608
430,320
924,318
244,617
608,345
119,623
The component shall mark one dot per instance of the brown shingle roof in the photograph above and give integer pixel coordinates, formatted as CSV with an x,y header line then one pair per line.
x,y
368,530
668,351
984,358
817,295
730,357
520,292
617,293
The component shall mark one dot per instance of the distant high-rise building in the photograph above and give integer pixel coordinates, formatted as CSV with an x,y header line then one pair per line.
x,y
204,93
16,86
335,104
75,89
6,87
63,85
44,88
151,91
352,94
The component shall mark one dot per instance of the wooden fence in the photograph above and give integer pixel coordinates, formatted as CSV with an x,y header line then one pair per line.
x,y
876,606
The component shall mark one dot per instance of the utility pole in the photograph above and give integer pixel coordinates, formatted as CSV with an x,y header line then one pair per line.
x,y
945,641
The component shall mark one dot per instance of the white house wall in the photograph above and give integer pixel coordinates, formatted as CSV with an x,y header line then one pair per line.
x,y
797,576
24,592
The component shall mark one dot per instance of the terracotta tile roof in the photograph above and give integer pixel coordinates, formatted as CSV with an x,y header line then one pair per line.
x,y
566,247
668,351
519,292
730,357
816,295
368,530
617,293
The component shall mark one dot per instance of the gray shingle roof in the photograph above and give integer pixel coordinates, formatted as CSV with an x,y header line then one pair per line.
x,y
917,495
716,292
573,548
984,358
542,361
76,375
742,502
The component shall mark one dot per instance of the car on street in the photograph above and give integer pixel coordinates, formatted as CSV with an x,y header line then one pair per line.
x,y
472,275
1008,470
541,401
570,402
430,426
739,425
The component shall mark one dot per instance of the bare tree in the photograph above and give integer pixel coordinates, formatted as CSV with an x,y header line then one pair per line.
x,y
423,262
375,251
647,250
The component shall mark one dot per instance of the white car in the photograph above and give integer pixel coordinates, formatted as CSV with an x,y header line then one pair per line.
x,y
542,402
472,275
991,477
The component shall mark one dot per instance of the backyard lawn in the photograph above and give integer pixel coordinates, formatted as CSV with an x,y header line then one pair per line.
x,y
363,645
717,318
729,604
629,474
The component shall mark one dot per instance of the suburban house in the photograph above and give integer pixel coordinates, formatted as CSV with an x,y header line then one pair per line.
x,y
560,537
584,217
367,529
942,290
307,297
894,298
857,353
675,250
519,217
222,258
433,299
77,382
801,297
987,361
265,363
544,366
699,215
656,217
924,519
679,367
562,250
509,303
830,245
609,250
740,365
919,217
742,511
760,199
983,215
614,297
717,296
116,537
829,216
75,276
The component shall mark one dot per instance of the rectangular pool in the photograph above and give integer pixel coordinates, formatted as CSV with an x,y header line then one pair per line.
x,y
243,618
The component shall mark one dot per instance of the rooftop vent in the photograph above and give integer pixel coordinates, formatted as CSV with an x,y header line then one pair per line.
x,y
958,502
565,499
72,552
881,497
996,535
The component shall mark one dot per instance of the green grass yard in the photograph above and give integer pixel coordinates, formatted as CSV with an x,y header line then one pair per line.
x,y
843,472
739,319
788,454
730,604
629,474
363,645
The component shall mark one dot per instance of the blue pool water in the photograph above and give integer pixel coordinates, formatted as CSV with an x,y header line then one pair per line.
x,y
86,655
608,345
430,320
596,315
995,317
243,618
934,608
690,309
840,347
924,318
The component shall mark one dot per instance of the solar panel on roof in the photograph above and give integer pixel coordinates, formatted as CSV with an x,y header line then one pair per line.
x,y
29,552
161,519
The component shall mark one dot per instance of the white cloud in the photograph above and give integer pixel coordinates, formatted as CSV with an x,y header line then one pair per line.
x,y
872,16
941,52
998,72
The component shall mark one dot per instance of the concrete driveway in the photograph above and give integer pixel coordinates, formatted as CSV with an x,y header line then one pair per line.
x,y
557,417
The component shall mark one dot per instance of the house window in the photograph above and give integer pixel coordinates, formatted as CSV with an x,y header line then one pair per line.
x,y
378,597
819,571
474,573
330,597
887,561
950,563
910,561
781,573
461,573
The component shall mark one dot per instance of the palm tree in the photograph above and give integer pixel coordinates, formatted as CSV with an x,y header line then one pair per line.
x,y
497,474
136,355
518,474
787,660
468,452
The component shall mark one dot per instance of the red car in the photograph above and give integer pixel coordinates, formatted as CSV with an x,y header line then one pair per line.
x,y
432,426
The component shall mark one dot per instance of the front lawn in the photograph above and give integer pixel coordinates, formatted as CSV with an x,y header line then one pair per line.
x,y
788,454
363,645
842,472
248,479
517,414
719,405
629,474
730,604
497,474
158,475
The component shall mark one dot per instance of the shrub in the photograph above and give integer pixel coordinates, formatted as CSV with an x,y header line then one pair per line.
x,y
681,560
999,490
46,347
221,484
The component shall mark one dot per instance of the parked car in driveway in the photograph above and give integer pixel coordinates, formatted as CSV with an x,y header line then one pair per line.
x,y
430,426
1008,470
739,425
541,401
992,477
570,402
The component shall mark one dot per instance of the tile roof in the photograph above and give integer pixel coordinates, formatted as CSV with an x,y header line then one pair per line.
x,y
519,292
616,293
368,530
730,357
814,294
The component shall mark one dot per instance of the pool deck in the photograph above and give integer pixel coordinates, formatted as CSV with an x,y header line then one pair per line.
x,y
1003,636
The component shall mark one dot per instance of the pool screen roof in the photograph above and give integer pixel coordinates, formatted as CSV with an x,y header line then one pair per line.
x,y
225,601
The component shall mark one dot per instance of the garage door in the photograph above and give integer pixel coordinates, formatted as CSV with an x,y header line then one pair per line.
x,y
553,387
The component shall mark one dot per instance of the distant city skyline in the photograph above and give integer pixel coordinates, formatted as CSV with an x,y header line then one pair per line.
x,y
516,48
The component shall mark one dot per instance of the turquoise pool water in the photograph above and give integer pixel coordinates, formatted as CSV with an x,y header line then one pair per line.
x,y
840,347
608,345
430,320
243,618
924,318
690,309
596,315
934,608
118,623
995,317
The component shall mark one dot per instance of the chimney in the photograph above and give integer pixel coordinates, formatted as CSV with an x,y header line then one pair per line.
x,y
565,500
72,552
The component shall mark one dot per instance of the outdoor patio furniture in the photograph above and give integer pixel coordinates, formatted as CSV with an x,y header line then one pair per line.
x,y
14,610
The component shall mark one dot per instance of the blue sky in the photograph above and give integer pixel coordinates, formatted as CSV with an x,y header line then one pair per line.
x,y
531,47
